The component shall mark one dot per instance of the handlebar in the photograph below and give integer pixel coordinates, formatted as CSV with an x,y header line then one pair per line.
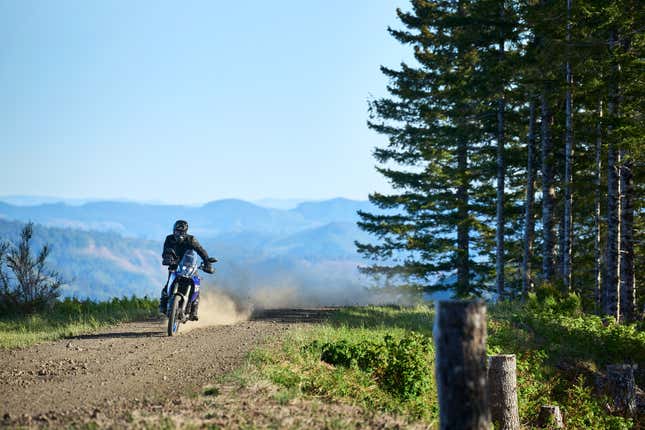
x,y
203,268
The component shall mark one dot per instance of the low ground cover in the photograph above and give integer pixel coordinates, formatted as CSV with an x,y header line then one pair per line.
x,y
382,358
72,317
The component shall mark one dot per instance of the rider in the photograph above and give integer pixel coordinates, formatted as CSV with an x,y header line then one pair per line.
x,y
174,247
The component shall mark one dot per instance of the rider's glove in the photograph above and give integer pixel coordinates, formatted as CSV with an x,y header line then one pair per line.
x,y
169,261
208,268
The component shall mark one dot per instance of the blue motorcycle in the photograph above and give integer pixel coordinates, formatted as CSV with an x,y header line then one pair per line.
x,y
183,290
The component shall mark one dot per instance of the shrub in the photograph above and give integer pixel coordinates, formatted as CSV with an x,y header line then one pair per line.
x,y
28,286
401,367
339,353
408,373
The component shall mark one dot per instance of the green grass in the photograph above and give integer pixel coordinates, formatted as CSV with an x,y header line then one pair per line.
x,y
296,366
72,317
559,352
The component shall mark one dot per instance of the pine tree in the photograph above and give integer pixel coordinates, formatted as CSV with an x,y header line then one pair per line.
x,y
489,73
431,123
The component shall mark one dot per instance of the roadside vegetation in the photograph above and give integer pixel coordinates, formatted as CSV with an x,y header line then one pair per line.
x,y
71,317
30,307
382,358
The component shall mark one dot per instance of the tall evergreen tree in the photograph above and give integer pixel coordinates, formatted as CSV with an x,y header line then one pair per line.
x,y
487,74
431,123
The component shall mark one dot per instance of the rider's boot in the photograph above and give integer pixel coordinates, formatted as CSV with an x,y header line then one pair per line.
x,y
193,311
163,301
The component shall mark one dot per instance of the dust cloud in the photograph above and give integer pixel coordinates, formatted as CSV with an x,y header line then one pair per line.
x,y
216,307
239,289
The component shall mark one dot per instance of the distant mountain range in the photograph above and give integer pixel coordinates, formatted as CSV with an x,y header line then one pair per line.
x,y
153,221
110,249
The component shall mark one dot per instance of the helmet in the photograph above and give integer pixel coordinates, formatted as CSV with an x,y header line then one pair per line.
x,y
180,229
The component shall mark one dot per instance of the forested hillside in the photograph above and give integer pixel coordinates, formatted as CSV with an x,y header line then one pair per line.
x,y
515,148
94,264
316,265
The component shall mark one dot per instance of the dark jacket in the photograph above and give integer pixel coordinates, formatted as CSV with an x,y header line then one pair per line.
x,y
171,244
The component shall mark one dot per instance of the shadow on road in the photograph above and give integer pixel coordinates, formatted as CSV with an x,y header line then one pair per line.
x,y
119,335
292,315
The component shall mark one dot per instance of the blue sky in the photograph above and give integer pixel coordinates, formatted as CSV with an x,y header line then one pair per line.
x,y
192,101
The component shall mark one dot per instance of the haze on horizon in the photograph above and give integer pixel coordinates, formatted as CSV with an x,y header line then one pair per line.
x,y
275,203
193,102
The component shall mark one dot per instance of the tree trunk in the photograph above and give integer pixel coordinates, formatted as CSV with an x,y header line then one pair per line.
x,y
611,293
627,280
560,253
612,277
529,221
597,270
568,176
548,192
501,173
502,392
460,343
550,417
621,387
463,239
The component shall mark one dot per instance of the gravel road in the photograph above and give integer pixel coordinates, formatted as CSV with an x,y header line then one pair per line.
x,y
126,367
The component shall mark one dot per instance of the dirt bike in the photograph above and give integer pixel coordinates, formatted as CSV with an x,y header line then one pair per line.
x,y
183,290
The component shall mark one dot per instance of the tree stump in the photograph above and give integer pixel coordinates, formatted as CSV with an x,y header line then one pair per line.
x,y
621,387
502,392
460,342
550,417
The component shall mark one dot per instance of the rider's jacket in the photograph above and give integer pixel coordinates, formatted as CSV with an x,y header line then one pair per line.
x,y
180,247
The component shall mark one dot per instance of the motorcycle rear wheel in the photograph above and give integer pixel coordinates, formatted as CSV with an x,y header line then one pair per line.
x,y
173,321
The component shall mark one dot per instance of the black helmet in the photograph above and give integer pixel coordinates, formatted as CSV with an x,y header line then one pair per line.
x,y
180,229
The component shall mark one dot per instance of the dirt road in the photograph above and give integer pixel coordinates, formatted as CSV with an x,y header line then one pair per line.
x,y
127,367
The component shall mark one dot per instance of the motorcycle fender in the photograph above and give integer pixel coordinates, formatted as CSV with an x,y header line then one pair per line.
x,y
171,283
184,303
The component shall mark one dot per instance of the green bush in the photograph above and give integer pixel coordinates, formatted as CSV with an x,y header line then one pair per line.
x,y
408,373
401,367
340,353
546,292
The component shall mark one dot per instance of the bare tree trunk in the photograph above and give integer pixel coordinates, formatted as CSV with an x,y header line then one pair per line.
x,y
463,237
597,271
548,192
568,176
529,221
560,253
502,392
501,173
627,280
463,226
611,294
612,277
460,343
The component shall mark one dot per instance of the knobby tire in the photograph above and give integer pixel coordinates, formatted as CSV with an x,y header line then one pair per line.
x,y
173,324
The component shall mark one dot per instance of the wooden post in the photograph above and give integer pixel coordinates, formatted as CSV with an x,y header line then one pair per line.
x,y
550,417
460,343
502,392
621,387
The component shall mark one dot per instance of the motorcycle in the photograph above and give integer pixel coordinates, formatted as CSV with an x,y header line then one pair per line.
x,y
183,290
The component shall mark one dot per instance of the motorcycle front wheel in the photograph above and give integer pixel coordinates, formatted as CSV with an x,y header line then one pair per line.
x,y
173,321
